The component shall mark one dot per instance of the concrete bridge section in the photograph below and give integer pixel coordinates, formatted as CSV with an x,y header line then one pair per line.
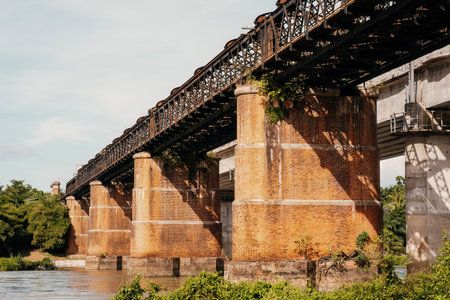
x,y
314,175
415,102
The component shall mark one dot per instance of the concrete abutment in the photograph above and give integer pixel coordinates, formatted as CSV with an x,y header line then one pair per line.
x,y
313,175
427,169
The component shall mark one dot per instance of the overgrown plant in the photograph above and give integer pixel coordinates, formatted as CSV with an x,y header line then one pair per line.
x,y
375,255
281,96
337,260
170,158
305,246
192,162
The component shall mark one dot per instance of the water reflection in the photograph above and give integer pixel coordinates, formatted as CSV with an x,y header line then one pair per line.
x,y
80,284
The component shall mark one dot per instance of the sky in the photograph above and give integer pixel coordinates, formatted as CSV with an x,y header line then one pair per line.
x,y
74,74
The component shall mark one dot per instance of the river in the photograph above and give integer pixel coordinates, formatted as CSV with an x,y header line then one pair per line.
x,y
79,284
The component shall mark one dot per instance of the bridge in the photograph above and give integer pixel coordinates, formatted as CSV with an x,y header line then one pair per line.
x,y
321,162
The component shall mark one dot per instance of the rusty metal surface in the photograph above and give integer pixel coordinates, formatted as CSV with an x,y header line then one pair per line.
x,y
337,43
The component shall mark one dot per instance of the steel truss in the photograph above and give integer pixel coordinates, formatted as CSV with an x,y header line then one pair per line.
x,y
335,43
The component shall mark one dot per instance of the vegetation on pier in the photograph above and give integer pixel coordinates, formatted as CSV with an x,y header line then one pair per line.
x,y
30,218
280,96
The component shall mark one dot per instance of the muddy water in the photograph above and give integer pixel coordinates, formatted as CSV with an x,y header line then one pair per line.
x,y
80,284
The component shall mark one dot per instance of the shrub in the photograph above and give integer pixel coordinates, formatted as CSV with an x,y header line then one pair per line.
x,y
18,264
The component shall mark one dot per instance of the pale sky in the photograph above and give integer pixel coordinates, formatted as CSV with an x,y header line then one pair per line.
x,y
74,74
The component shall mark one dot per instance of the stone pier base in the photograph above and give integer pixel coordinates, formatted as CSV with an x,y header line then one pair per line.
x,y
330,278
106,263
297,272
162,267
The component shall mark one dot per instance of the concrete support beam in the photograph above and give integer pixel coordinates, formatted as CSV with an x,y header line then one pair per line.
x,y
79,225
315,174
427,168
176,227
109,224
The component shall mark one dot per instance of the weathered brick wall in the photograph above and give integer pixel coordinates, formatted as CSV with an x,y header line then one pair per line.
x,y
173,217
314,174
79,225
109,220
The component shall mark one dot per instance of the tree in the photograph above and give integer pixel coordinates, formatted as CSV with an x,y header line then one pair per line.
x,y
18,192
394,214
48,223
13,234
29,217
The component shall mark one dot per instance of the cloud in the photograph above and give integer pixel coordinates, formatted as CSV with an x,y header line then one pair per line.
x,y
58,128
8,151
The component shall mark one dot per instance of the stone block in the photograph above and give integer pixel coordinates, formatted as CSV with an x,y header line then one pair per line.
x,y
104,263
297,272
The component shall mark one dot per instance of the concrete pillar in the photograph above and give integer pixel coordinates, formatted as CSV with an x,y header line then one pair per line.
x,y
427,170
176,228
314,175
55,188
109,226
79,225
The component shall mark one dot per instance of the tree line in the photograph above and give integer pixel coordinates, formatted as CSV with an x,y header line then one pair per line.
x,y
30,218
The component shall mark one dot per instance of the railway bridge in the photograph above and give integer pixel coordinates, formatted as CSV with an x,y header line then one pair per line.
x,y
151,199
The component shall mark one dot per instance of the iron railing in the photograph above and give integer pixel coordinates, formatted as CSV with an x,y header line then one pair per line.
x,y
415,120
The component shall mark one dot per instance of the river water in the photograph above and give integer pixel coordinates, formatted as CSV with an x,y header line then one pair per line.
x,y
80,284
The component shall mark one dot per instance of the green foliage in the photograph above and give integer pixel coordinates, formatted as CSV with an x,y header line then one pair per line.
x,y
193,163
280,95
19,264
362,239
170,158
394,215
18,193
48,223
132,291
432,284
304,246
205,286
29,217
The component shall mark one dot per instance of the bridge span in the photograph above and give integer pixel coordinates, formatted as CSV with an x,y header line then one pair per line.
x,y
314,175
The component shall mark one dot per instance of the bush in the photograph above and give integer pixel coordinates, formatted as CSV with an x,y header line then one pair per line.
x,y
19,264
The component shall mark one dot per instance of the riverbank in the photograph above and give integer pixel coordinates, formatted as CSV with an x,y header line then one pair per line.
x,y
19,264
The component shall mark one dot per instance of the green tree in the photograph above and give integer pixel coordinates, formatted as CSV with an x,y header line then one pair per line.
x,y
29,217
18,193
13,233
48,223
394,215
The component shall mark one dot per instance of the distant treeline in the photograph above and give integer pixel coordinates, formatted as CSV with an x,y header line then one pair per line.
x,y
30,218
